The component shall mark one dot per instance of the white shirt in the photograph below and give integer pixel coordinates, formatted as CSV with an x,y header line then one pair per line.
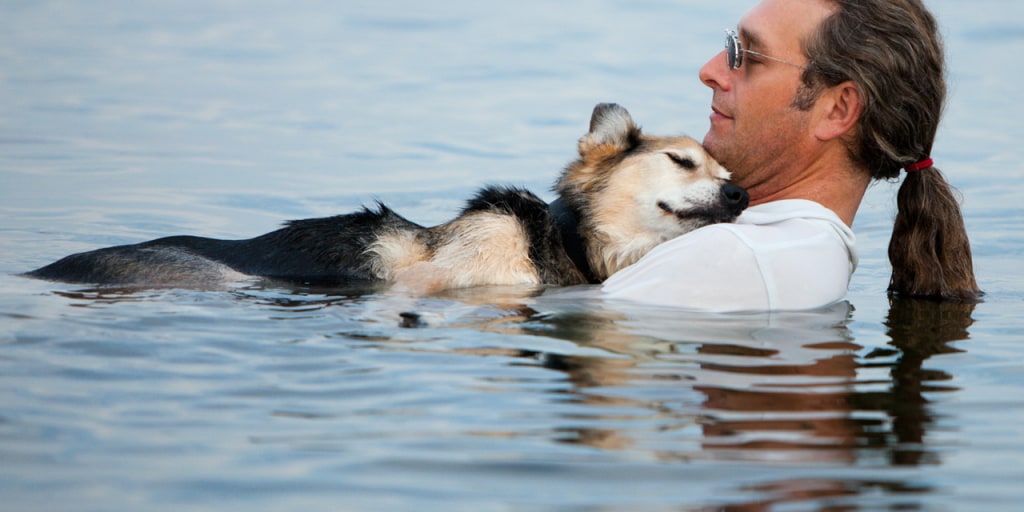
x,y
783,255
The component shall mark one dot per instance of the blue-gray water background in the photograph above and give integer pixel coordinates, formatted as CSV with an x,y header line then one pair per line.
x,y
122,121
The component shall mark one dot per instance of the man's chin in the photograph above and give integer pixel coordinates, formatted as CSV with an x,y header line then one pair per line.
x,y
719,151
712,145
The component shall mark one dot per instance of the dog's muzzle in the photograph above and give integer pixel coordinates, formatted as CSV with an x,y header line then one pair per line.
x,y
732,200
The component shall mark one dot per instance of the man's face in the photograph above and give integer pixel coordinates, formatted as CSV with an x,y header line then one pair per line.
x,y
755,131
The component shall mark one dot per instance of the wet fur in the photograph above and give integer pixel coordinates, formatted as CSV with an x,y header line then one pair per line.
x,y
628,191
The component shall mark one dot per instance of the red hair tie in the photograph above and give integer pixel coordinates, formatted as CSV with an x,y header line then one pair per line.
x,y
923,164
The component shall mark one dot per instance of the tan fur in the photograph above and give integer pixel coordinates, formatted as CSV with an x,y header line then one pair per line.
x,y
394,253
479,249
486,249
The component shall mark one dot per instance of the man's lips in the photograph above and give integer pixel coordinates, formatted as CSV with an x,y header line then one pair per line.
x,y
715,113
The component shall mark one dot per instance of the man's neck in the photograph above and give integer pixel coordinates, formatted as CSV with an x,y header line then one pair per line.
x,y
838,187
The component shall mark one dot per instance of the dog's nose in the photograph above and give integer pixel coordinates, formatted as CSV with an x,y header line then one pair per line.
x,y
734,197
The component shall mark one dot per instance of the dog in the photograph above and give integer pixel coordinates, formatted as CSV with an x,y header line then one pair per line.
x,y
625,194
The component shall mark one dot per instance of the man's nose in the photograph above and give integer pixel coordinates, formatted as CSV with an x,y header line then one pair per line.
x,y
714,73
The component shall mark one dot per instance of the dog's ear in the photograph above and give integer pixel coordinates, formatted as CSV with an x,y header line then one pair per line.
x,y
612,130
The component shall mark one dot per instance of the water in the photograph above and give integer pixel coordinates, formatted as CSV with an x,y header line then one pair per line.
x,y
122,121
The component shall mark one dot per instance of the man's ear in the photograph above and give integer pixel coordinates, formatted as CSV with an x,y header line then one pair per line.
x,y
838,110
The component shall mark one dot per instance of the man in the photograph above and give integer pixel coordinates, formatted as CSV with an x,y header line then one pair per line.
x,y
812,99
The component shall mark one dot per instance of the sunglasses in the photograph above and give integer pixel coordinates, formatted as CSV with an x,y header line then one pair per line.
x,y
734,51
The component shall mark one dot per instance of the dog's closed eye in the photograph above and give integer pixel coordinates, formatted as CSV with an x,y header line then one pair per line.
x,y
682,161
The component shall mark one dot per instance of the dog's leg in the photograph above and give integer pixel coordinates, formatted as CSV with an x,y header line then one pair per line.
x,y
423,278
482,248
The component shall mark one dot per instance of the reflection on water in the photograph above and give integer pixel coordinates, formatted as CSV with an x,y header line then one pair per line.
x,y
768,388
919,330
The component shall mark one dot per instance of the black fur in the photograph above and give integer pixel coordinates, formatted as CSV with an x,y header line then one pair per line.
x,y
566,218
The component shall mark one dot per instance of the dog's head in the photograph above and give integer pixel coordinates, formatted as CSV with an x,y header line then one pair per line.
x,y
633,191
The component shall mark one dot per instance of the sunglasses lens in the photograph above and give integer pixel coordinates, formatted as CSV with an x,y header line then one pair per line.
x,y
733,53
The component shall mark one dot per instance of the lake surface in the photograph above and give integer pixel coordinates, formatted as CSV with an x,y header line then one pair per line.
x,y
124,121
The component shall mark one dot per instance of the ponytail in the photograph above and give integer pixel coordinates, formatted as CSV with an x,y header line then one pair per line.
x,y
929,249
892,51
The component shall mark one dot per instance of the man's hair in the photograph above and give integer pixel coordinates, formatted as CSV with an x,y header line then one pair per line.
x,y
892,51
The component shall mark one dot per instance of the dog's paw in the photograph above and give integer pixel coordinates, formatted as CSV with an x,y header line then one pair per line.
x,y
414,320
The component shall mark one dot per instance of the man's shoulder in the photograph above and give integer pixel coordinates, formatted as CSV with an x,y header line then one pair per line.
x,y
786,210
789,220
